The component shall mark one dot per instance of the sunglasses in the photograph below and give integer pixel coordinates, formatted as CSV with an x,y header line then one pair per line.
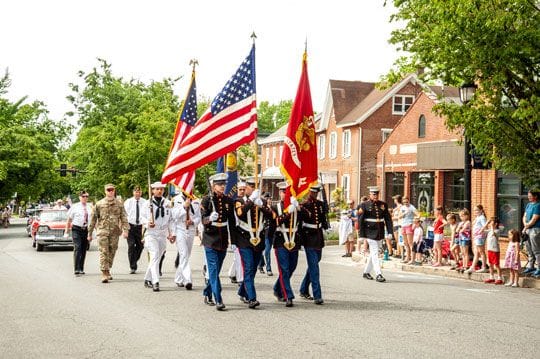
x,y
110,189
85,196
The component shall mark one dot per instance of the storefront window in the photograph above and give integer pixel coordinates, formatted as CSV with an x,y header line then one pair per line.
x,y
511,202
454,191
394,183
422,190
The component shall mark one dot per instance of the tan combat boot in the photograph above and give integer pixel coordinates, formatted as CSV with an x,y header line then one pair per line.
x,y
104,277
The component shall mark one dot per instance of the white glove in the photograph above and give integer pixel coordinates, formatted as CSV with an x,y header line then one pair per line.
x,y
214,216
258,202
294,202
291,208
255,194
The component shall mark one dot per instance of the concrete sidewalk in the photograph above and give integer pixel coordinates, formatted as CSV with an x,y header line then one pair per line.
x,y
445,271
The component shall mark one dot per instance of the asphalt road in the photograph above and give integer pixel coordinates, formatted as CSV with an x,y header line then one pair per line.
x,y
47,312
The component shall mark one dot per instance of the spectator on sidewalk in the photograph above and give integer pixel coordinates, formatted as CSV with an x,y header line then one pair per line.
x,y
451,219
418,242
511,260
493,250
407,214
397,224
531,223
346,229
464,232
479,240
438,235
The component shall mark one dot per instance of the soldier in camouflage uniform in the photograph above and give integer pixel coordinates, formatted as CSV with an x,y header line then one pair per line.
x,y
110,219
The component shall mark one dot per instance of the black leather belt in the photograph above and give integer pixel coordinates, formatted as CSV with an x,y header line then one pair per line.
x,y
135,225
79,228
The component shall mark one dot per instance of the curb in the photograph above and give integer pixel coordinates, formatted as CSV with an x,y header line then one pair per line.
x,y
524,282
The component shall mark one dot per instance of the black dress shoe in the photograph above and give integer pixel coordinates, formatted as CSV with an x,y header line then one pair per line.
x,y
233,280
189,286
133,271
155,287
76,272
318,301
289,303
367,276
269,273
209,301
220,306
278,297
81,272
253,304
306,296
380,278
180,285
148,284
261,270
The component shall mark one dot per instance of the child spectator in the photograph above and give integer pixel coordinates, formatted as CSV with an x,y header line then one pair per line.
x,y
479,240
346,232
511,260
418,242
438,235
464,232
451,219
493,251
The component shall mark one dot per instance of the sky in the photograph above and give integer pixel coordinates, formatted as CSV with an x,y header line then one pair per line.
x,y
45,43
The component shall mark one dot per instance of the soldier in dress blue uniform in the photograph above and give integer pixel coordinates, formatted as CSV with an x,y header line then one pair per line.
x,y
286,244
251,211
313,215
373,216
217,213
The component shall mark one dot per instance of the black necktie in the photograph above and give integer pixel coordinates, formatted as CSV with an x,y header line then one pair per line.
x,y
137,213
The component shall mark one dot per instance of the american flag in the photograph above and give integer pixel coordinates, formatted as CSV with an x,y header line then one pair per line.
x,y
186,121
230,122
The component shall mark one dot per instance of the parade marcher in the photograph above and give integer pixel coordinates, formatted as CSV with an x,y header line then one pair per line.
x,y
250,211
286,245
134,207
159,227
373,216
236,274
78,217
110,220
187,214
313,215
217,213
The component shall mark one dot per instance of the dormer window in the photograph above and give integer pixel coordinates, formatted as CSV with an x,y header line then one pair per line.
x,y
401,104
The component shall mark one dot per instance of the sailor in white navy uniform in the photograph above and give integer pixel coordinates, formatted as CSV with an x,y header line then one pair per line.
x,y
187,215
159,225
78,216
373,217
134,207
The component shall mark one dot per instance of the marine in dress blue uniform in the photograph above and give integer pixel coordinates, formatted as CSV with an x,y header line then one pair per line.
x,y
284,228
373,217
313,215
217,212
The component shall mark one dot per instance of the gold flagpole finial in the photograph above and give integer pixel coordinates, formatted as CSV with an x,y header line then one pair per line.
x,y
193,63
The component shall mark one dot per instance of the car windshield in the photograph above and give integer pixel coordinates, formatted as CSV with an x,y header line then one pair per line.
x,y
53,216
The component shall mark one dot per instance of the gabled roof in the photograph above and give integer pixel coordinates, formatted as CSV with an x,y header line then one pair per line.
x,y
342,97
445,93
373,102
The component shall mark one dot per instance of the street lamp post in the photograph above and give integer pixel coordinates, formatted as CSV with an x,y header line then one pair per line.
x,y
466,93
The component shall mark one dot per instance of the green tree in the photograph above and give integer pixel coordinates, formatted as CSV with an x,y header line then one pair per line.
x,y
30,141
495,45
271,117
126,128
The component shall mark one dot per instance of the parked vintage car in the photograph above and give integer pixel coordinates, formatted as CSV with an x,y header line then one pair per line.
x,y
32,215
49,229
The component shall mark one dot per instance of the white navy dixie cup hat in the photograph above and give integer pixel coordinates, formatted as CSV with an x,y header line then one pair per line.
x,y
241,184
218,178
282,186
157,185
374,189
315,188
250,181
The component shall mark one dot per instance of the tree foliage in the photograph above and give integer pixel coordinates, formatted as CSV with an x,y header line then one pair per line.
x,y
29,143
272,116
493,44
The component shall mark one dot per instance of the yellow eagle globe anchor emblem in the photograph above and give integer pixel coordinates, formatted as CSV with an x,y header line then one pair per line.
x,y
305,134
231,162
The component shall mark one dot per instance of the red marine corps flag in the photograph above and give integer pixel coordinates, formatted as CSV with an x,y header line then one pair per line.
x,y
299,158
